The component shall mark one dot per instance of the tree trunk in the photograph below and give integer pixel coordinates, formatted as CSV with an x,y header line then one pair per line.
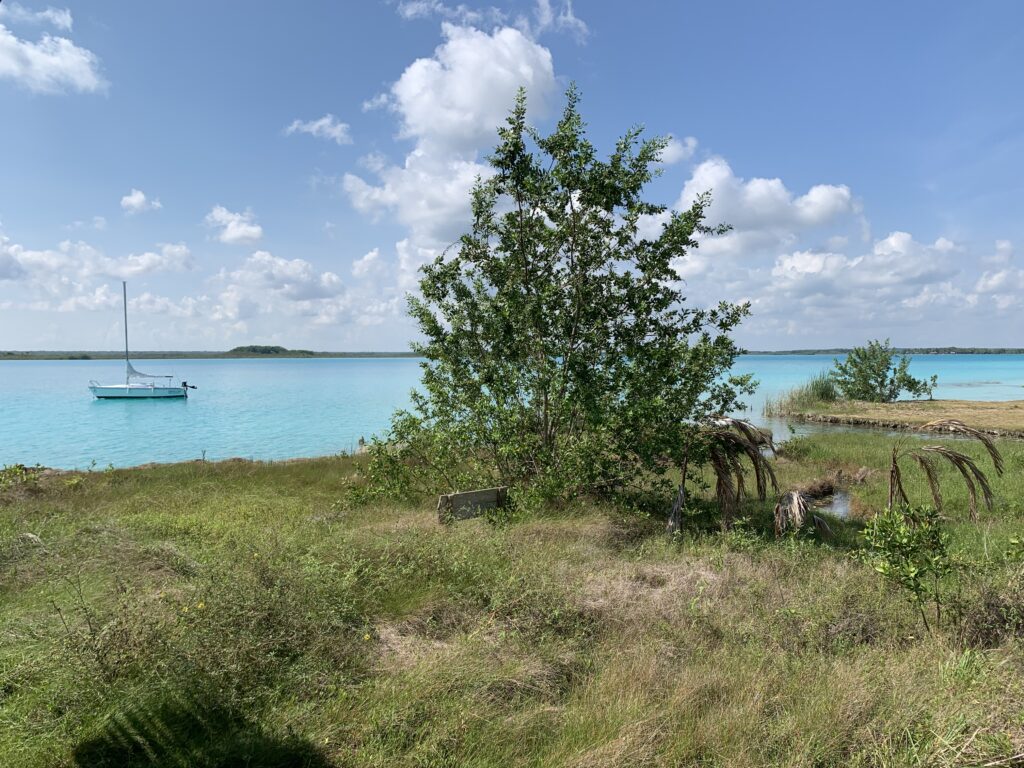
x,y
675,518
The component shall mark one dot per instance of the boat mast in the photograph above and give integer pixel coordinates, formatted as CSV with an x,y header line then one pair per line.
x,y
124,296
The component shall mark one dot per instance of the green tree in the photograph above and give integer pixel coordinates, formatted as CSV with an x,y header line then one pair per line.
x,y
560,353
869,374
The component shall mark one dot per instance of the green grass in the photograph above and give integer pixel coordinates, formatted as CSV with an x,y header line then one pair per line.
x,y
820,389
199,614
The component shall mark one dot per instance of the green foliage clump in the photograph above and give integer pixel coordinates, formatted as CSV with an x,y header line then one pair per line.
x,y
17,474
869,374
819,389
561,356
910,547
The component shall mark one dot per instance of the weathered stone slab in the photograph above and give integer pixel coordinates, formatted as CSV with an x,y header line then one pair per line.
x,y
462,506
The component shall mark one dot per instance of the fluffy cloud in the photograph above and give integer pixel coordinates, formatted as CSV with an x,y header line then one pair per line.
x,y
76,276
137,202
51,65
763,204
266,288
58,17
327,127
807,263
545,17
75,262
366,263
450,105
294,278
170,258
676,151
235,228
462,14
455,99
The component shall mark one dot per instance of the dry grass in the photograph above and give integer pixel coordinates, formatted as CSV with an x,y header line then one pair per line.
x,y
1001,418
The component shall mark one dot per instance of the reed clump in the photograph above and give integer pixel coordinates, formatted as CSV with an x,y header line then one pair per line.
x,y
819,389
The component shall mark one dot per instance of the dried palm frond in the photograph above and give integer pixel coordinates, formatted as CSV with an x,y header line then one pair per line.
x,y
927,464
793,510
969,470
790,512
754,435
897,493
925,457
958,427
729,440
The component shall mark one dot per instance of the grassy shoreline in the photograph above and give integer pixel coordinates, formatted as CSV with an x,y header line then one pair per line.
x,y
1000,418
249,600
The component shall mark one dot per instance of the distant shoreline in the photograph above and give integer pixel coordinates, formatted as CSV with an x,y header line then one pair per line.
x,y
303,353
898,350
180,355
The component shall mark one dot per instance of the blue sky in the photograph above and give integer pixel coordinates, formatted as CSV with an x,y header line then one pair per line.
x,y
276,173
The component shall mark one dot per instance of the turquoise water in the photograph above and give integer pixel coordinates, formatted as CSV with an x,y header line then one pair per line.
x,y
277,409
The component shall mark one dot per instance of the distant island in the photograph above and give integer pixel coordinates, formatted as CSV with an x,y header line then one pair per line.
x,y
247,351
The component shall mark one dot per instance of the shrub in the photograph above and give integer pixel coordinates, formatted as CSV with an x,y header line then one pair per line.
x,y
909,547
559,350
869,374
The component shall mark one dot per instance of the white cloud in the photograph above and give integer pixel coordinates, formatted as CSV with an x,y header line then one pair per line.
x,y
462,14
1002,255
58,17
51,65
294,278
379,101
172,257
235,228
763,204
137,202
366,263
456,99
545,18
150,304
676,151
326,127
99,223
267,288
451,105
76,276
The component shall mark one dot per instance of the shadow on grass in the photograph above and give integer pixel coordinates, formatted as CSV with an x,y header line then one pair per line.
x,y
185,730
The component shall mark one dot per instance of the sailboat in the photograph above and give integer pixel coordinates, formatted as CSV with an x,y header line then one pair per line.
x,y
138,384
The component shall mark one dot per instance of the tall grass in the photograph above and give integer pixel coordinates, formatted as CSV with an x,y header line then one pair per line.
x,y
201,613
820,389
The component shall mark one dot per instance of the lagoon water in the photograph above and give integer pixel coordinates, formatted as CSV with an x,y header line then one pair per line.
x,y
285,408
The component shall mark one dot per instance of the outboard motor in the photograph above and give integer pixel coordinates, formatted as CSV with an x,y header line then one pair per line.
x,y
186,386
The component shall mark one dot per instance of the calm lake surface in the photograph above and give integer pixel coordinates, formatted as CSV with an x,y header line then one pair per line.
x,y
285,408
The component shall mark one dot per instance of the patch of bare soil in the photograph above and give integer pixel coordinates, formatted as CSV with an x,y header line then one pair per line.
x,y
633,591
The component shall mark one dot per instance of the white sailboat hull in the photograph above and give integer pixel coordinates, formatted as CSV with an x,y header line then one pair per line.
x,y
134,391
